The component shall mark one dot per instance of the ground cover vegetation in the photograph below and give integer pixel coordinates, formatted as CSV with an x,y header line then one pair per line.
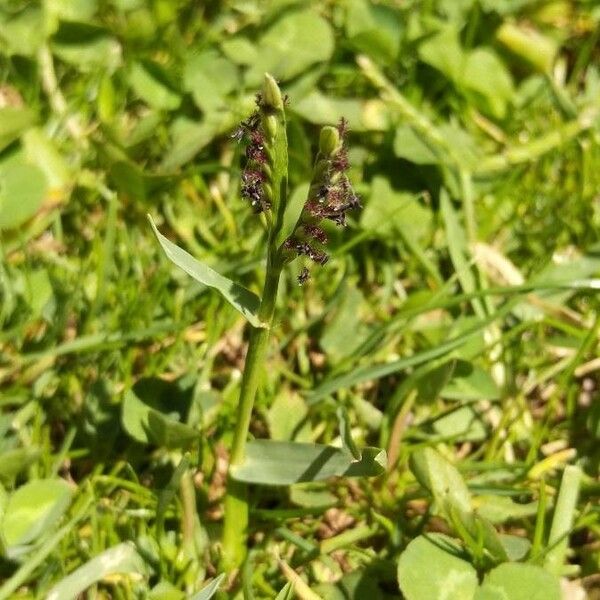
x,y
391,328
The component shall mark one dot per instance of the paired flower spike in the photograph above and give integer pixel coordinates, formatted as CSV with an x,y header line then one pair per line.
x,y
330,194
330,197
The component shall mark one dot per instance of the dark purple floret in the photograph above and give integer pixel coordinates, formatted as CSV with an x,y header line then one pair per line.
x,y
253,175
331,197
316,233
342,128
304,276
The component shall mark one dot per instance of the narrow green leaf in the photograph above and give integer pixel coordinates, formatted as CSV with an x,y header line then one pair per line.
x,y
346,432
122,558
457,244
301,588
284,463
239,297
563,518
286,592
358,375
293,209
165,497
529,44
208,591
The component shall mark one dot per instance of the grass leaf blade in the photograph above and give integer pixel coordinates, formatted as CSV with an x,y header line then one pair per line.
x,y
284,463
242,299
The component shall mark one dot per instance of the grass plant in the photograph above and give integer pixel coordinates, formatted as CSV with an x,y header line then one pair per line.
x,y
218,428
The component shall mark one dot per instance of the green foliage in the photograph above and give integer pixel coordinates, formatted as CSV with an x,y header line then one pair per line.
x,y
430,568
240,298
518,582
30,511
455,325
122,558
284,463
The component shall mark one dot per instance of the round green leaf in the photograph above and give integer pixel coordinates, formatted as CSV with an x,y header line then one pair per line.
x,y
22,191
22,32
209,77
373,29
516,581
86,46
150,426
150,83
34,508
442,479
13,122
291,45
429,569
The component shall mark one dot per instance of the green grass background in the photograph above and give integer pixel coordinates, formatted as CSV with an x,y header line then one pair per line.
x,y
474,143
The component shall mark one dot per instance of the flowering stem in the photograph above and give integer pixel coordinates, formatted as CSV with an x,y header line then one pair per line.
x,y
266,187
236,500
236,506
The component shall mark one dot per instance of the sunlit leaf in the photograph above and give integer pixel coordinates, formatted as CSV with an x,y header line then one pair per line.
x,y
209,77
451,577
239,297
373,29
32,509
295,42
150,426
13,122
119,559
388,210
22,191
441,478
151,84
87,46
208,591
516,581
284,463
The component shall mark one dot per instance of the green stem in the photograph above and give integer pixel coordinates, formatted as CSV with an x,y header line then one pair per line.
x,y
562,521
236,501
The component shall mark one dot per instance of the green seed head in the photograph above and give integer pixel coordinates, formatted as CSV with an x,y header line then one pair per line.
x,y
270,125
271,94
329,142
